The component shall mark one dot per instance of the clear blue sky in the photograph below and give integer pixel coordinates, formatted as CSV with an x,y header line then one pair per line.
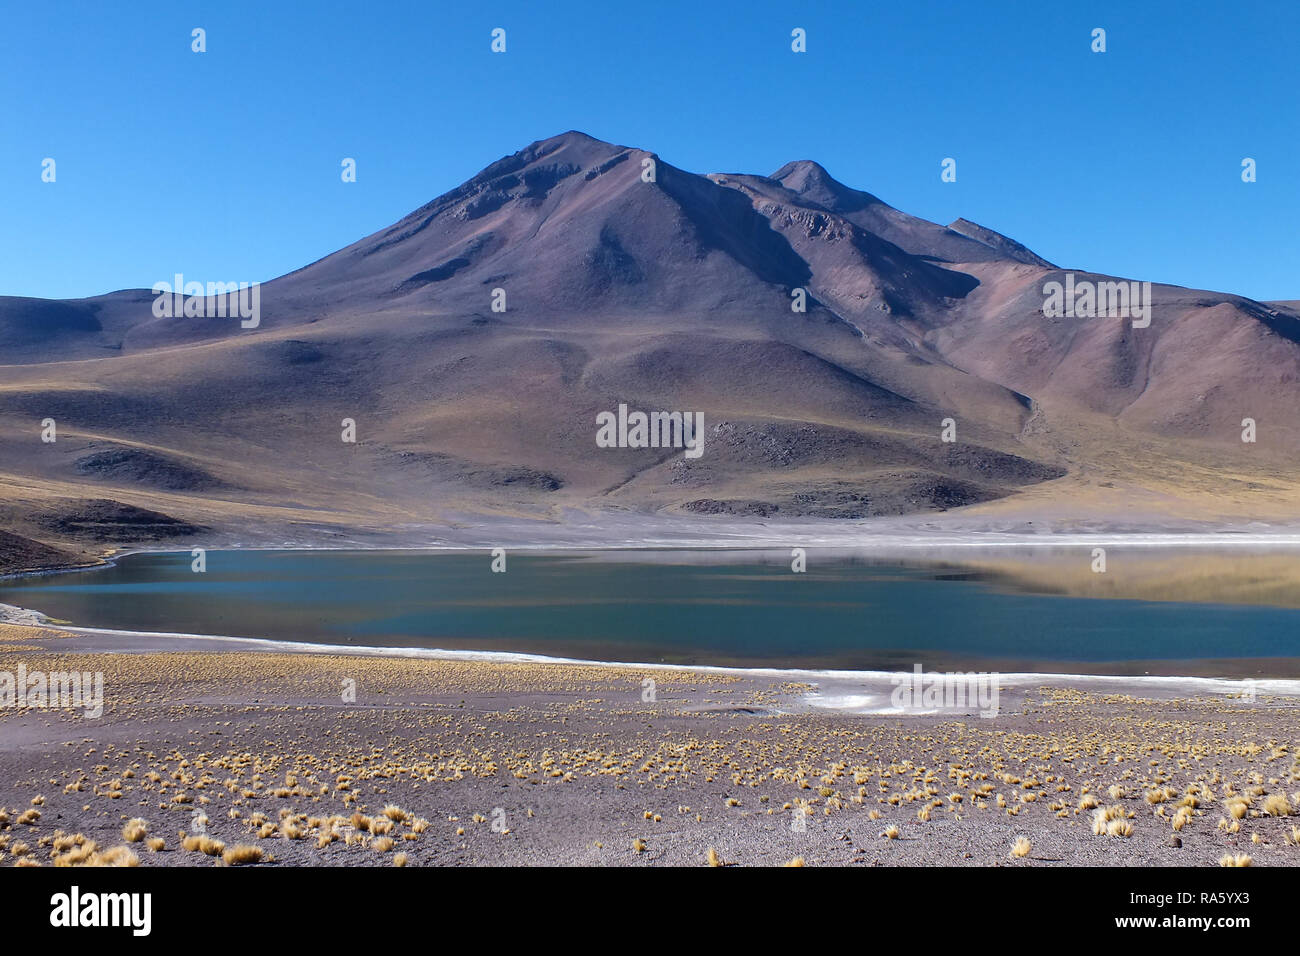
x,y
225,165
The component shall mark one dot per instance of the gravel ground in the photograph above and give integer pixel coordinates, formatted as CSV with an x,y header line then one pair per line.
x,y
491,763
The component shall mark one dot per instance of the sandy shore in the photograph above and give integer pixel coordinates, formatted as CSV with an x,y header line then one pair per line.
x,y
498,762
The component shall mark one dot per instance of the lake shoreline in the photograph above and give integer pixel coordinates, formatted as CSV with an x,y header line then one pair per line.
x,y
879,537
1208,676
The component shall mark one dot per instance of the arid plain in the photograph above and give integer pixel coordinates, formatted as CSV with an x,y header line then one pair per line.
x,y
243,757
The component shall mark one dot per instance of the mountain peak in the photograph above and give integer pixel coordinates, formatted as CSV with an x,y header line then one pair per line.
x,y
795,174
575,144
810,180
572,137
573,150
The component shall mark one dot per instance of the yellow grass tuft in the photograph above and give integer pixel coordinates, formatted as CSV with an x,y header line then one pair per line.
x,y
62,842
78,855
713,858
1021,847
156,844
241,854
1277,805
1239,859
1103,817
135,830
400,859
797,861
203,844
117,856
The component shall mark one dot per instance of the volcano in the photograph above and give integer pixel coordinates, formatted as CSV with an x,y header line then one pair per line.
x,y
849,361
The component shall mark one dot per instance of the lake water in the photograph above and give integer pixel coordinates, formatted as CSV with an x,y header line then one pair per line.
x,y
732,608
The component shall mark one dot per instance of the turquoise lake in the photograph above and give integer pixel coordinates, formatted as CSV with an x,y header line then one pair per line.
x,y
730,608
